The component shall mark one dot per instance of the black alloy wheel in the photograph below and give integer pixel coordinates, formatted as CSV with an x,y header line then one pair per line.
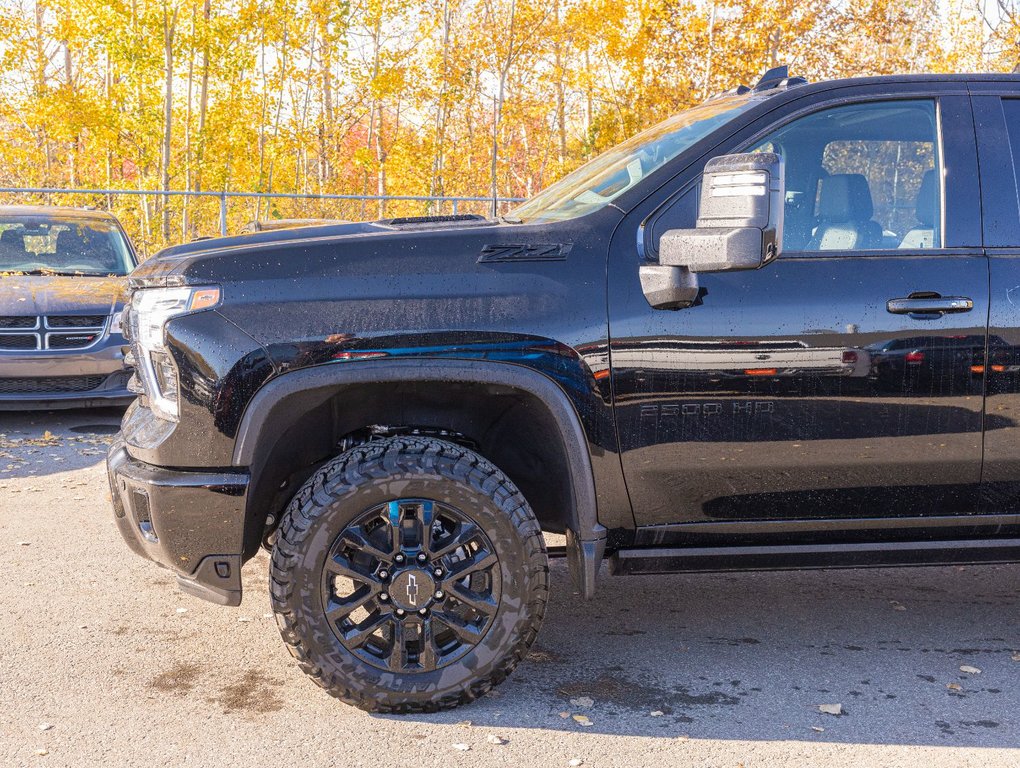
x,y
409,575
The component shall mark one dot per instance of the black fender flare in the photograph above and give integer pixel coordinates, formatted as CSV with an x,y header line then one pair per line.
x,y
586,538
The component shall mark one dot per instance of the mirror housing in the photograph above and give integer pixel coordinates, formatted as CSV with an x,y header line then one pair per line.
x,y
739,226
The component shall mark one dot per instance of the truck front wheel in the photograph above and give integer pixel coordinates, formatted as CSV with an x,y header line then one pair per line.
x,y
409,575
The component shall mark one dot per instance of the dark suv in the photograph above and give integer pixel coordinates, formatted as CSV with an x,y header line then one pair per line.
x,y
665,356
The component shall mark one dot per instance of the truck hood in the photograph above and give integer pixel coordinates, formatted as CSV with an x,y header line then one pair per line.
x,y
60,295
173,266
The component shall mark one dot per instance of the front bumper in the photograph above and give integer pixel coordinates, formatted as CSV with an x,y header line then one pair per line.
x,y
65,379
190,522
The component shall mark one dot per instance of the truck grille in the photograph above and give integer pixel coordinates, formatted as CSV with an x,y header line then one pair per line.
x,y
32,333
35,386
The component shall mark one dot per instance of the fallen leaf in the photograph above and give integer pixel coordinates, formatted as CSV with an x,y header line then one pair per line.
x,y
182,610
42,752
564,715
24,543
583,721
464,723
462,747
831,709
954,686
494,739
1016,656
583,701
817,728
244,619
656,713
897,605
45,726
970,670
575,761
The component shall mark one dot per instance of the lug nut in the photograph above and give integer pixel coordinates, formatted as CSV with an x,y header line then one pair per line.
x,y
422,611
400,611
399,558
383,596
384,574
422,557
439,595
438,572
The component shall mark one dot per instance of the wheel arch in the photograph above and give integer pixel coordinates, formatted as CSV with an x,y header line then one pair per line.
x,y
294,421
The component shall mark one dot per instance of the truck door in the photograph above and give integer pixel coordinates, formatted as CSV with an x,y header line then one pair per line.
x,y
997,116
842,381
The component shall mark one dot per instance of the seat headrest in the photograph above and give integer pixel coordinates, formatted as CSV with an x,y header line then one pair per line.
x,y
845,197
68,240
926,205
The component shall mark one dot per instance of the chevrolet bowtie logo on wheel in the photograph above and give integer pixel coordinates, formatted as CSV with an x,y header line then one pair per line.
x,y
412,589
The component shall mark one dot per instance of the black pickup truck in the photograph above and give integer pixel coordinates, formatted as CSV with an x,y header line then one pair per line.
x,y
673,356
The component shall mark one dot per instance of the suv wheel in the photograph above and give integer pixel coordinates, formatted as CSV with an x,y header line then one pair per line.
x,y
409,575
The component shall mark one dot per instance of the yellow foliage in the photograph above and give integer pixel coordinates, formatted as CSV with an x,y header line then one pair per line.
x,y
401,97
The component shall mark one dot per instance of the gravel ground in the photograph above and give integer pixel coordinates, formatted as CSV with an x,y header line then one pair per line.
x,y
104,662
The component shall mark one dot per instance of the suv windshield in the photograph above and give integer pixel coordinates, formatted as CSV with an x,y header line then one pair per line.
x,y
601,180
53,244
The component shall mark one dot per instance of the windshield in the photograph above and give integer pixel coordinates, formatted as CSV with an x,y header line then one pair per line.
x,y
62,245
601,180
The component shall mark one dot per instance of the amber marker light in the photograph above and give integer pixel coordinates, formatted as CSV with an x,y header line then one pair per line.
x,y
204,298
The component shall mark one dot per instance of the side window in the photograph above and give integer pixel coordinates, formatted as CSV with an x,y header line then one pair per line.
x,y
681,213
1011,107
861,177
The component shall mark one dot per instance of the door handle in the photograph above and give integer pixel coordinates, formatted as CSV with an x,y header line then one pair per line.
x,y
929,305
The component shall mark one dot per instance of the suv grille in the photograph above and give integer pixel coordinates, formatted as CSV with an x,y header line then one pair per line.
x,y
71,340
19,341
26,386
76,321
31,333
7,321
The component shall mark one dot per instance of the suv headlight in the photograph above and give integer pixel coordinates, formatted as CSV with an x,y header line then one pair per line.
x,y
117,323
153,309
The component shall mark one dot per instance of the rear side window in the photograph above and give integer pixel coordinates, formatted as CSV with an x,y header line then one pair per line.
x,y
1012,109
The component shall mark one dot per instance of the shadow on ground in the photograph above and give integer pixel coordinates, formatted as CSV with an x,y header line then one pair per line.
x,y
753,656
40,443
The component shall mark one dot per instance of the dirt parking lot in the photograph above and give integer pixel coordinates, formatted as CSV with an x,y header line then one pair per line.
x,y
104,662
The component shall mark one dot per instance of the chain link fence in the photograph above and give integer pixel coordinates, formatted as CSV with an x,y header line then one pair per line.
x,y
156,218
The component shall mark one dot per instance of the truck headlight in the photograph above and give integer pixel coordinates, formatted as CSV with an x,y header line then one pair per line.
x,y
153,309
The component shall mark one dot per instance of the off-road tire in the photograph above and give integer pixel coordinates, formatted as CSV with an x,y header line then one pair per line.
x,y
343,489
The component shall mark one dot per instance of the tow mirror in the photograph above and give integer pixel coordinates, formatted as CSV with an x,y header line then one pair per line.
x,y
739,226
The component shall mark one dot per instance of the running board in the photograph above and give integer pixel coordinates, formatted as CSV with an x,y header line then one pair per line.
x,y
796,556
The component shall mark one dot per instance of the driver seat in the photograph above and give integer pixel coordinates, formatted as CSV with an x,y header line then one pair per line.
x,y
845,209
69,249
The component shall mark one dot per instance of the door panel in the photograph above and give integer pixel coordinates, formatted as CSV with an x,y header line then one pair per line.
x,y
786,395
793,392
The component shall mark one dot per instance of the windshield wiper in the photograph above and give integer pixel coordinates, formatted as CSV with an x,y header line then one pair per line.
x,y
509,220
